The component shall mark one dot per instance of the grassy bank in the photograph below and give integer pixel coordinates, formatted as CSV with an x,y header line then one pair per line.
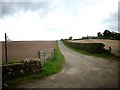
x,y
52,67
105,55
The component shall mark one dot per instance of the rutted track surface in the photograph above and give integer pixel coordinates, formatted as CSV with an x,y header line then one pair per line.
x,y
80,71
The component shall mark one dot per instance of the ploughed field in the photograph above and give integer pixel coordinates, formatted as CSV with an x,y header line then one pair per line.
x,y
18,50
114,44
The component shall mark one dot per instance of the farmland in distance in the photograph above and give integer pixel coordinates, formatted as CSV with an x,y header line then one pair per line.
x,y
24,49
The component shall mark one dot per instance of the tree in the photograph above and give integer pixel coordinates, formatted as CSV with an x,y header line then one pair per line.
x,y
117,36
70,38
107,34
99,34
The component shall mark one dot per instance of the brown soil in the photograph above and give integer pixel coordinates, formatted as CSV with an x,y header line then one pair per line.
x,y
23,49
114,44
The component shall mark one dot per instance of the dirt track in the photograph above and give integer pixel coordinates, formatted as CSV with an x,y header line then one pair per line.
x,y
80,71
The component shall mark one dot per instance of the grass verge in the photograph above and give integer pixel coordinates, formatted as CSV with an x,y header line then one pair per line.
x,y
108,56
10,62
52,67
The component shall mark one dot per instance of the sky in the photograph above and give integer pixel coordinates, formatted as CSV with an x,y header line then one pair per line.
x,y
56,19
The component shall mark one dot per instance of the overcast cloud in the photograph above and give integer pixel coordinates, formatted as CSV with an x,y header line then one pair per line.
x,y
56,19
9,8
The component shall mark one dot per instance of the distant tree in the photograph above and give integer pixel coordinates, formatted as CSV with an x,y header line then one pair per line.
x,y
113,34
99,34
107,34
85,37
117,36
70,38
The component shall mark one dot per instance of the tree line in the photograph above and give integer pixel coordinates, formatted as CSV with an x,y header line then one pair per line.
x,y
107,34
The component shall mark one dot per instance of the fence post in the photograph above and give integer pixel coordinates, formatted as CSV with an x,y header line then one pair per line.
x,y
44,55
6,47
110,49
54,52
38,54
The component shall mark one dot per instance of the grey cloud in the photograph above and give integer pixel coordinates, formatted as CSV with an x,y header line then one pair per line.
x,y
0,9
8,8
113,18
112,22
119,16
74,6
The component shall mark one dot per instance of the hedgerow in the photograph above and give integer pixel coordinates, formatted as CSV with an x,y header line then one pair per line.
x,y
88,47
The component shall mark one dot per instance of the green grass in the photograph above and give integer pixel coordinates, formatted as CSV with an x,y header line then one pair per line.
x,y
10,62
105,55
52,67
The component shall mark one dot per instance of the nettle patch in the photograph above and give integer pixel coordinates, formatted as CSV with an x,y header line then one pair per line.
x,y
18,70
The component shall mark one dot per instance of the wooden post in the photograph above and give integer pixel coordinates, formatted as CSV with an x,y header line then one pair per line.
x,y
44,56
110,49
54,52
6,47
38,54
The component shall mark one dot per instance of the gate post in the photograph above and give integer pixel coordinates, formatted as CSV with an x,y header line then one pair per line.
x,y
44,56
54,52
38,54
